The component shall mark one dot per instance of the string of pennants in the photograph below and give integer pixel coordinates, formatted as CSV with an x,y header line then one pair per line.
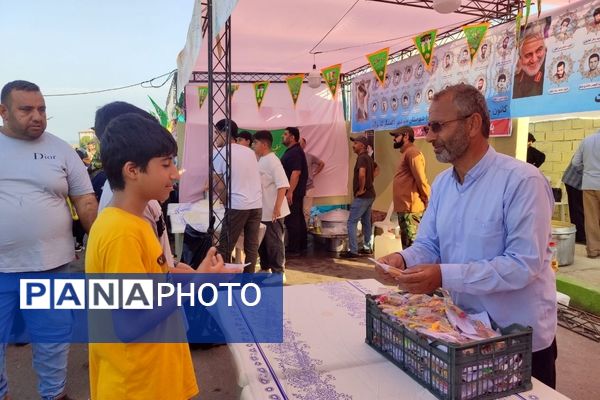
x,y
424,43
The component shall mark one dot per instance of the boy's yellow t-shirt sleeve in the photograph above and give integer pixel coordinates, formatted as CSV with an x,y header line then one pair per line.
x,y
124,254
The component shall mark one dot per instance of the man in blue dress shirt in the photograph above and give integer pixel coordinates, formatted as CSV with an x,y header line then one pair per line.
x,y
485,234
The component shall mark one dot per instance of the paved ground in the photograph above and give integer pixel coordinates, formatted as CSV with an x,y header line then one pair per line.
x,y
581,281
584,270
577,360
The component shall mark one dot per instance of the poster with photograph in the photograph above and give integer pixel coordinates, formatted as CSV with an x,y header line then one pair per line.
x,y
557,68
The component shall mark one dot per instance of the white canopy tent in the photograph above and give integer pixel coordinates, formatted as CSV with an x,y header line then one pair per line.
x,y
271,36
287,37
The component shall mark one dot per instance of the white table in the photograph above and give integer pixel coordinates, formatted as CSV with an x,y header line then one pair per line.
x,y
197,215
324,354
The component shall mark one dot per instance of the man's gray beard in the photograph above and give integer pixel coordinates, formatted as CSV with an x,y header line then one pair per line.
x,y
538,68
458,146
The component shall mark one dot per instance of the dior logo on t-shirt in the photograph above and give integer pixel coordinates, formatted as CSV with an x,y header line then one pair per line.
x,y
42,156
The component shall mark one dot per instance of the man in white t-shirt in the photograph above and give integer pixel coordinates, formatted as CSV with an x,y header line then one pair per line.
x,y
274,184
38,172
244,209
315,166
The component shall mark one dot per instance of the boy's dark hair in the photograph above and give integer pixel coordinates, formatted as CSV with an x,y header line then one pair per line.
x,y
109,111
223,125
264,136
246,135
295,132
17,85
132,137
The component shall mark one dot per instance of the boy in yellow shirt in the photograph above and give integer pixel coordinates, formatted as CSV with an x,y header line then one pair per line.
x,y
137,155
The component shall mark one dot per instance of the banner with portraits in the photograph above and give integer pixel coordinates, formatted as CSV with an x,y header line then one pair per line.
x,y
558,67
409,86
556,70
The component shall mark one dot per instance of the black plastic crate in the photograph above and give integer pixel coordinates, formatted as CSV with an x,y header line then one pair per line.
x,y
486,369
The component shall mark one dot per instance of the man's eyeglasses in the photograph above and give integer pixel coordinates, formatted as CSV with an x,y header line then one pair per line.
x,y
436,127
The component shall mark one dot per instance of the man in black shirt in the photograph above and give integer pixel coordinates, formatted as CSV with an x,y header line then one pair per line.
x,y
296,170
364,196
534,156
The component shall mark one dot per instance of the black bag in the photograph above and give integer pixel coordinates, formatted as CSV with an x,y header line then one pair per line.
x,y
195,246
557,192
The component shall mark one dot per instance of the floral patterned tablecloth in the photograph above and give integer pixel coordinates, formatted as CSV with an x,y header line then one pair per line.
x,y
324,354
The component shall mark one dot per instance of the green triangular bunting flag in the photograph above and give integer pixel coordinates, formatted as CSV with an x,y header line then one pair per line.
x,y
294,83
163,117
332,77
233,88
518,19
527,11
475,35
425,43
378,61
260,88
202,95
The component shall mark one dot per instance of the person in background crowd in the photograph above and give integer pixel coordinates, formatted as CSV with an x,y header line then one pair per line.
x,y
534,156
296,170
588,157
364,196
244,138
39,173
315,166
274,184
410,188
78,231
484,236
244,211
572,178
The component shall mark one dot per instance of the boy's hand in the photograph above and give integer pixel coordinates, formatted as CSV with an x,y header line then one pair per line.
x,y
276,214
212,264
182,268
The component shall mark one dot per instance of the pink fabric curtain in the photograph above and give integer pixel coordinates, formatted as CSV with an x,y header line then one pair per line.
x,y
319,118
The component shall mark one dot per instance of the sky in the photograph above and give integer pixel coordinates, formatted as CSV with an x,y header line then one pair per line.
x,y
67,46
